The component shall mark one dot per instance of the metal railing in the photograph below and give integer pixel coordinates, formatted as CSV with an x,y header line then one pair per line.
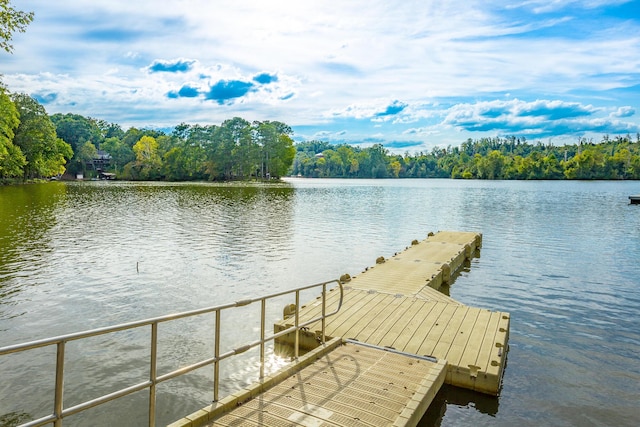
x,y
60,412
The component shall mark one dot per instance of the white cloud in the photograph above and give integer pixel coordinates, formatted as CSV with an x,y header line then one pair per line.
x,y
423,131
355,111
335,61
623,112
546,6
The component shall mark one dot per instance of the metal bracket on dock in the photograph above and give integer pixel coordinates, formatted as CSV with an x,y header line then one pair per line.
x,y
392,350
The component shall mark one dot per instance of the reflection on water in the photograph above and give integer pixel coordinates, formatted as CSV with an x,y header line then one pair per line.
x,y
560,256
454,397
79,256
26,215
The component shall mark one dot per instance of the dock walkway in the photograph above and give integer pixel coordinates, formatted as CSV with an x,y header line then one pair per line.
x,y
394,328
341,384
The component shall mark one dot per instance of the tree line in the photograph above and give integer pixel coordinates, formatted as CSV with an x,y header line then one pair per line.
x,y
484,158
236,149
34,145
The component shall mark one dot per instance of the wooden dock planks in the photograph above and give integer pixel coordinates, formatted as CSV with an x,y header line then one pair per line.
x,y
352,385
394,304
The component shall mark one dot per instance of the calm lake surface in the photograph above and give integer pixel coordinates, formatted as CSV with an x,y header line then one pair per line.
x,y
562,257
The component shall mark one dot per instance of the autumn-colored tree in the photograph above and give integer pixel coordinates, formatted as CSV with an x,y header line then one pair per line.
x,y
146,150
148,163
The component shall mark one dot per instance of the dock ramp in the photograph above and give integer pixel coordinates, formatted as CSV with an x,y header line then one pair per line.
x,y
338,384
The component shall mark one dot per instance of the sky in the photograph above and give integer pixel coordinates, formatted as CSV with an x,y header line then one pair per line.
x,y
410,75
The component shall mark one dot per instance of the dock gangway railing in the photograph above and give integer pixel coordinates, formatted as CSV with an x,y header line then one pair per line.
x,y
60,412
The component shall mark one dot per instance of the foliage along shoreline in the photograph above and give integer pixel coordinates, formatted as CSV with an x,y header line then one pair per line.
x,y
34,145
509,158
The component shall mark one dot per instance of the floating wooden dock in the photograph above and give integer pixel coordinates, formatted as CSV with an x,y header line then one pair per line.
x,y
395,304
395,328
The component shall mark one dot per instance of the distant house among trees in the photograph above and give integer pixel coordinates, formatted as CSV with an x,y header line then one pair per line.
x,y
101,161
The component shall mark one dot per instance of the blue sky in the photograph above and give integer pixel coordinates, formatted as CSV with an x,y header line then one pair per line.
x,y
410,75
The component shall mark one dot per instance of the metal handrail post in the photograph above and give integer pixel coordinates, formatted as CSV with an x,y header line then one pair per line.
x,y
262,327
297,323
216,354
324,309
59,392
153,374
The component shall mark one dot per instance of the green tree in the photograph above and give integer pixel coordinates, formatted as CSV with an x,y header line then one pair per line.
x,y
133,135
276,147
486,158
348,160
634,168
12,160
217,151
588,164
12,20
184,153
238,150
76,130
495,163
354,167
513,168
121,153
451,166
86,154
282,156
333,164
551,167
378,156
195,152
176,164
108,130
45,153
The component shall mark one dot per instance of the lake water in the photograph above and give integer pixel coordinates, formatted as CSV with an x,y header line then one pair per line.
x,y
562,257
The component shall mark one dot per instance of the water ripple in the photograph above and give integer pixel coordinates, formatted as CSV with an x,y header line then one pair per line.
x,y
561,257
